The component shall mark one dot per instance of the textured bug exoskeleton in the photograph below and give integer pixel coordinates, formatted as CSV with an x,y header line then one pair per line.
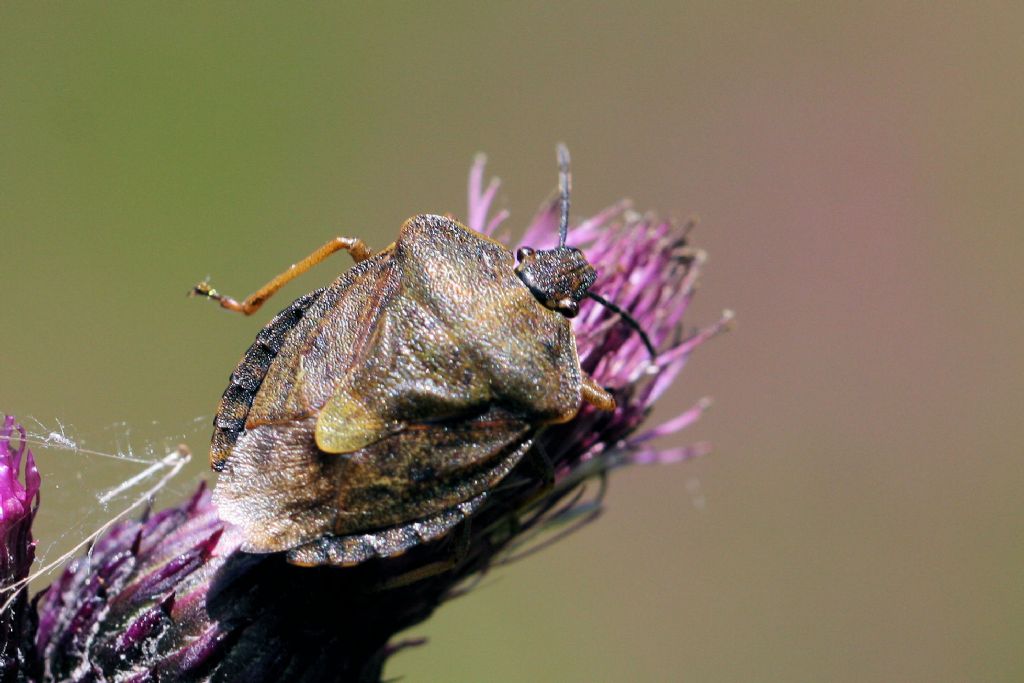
x,y
377,413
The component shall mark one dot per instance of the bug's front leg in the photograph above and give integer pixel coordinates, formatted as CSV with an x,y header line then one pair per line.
x,y
596,395
360,252
459,550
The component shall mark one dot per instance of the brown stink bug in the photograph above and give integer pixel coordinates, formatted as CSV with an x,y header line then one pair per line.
x,y
377,413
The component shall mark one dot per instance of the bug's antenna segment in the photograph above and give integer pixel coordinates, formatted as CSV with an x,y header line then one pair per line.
x,y
629,320
564,188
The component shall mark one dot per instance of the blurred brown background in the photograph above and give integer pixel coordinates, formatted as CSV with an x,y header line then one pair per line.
x,y
858,174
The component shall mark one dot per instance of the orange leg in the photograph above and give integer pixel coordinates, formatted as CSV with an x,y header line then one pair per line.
x,y
596,395
360,252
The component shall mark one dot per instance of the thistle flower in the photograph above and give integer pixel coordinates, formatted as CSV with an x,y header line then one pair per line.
x,y
18,503
170,596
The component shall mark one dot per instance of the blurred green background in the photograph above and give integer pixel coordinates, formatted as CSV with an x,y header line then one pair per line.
x,y
858,171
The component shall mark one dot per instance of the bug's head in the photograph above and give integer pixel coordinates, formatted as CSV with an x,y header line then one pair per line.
x,y
558,277
562,276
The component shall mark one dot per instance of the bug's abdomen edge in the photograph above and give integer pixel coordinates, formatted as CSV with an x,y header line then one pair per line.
x,y
247,377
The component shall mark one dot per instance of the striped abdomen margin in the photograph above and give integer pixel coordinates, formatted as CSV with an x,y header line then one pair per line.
x,y
234,406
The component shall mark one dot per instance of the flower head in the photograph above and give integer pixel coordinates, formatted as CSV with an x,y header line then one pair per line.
x,y
171,596
19,499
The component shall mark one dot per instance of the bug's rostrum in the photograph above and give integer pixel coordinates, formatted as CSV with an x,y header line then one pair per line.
x,y
558,277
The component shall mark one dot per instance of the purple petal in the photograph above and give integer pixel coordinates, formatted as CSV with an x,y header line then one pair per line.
x,y
18,503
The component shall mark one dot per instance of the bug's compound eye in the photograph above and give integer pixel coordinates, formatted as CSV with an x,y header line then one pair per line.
x,y
567,307
523,253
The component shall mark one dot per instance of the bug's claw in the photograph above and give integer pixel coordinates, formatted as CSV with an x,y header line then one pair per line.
x,y
248,307
204,289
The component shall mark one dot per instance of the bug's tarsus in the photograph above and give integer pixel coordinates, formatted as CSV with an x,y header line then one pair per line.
x,y
204,289
629,320
564,189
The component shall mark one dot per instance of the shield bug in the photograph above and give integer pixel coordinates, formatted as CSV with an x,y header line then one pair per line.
x,y
377,413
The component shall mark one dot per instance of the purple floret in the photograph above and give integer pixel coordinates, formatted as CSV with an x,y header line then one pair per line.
x,y
19,499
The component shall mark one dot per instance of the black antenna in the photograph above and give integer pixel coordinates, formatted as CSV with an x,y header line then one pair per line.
x,y
629,320
564,188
